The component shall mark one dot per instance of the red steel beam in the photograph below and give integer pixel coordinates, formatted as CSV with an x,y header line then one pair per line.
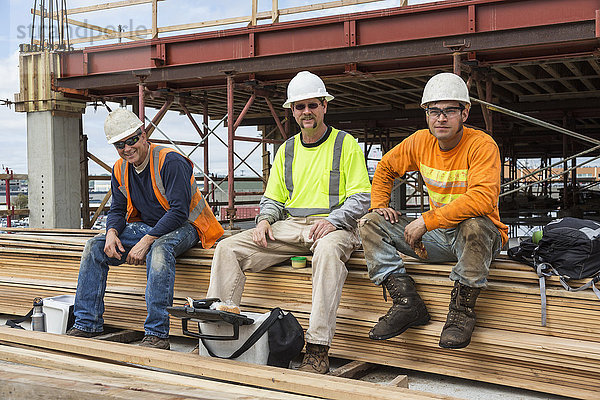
x,y
240,117
426,21
194,124
142,106
545,42
276,118
258,140
158,117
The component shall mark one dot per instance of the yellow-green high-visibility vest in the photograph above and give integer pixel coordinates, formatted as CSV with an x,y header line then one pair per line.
x,y
317,180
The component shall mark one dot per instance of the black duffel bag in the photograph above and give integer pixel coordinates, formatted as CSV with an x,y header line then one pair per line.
x,y
570,249
286,339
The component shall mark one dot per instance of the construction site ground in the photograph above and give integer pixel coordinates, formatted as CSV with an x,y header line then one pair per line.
x,y
384,375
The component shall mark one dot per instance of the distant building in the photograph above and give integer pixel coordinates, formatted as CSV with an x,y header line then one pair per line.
x,y
17,186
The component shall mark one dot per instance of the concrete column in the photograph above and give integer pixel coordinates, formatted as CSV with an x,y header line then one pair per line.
x,y
53,129
53,169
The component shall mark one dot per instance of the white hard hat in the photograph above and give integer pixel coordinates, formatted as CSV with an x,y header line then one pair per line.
x,y
120,124
445,86
305,85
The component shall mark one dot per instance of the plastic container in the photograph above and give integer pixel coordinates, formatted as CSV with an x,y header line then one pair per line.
x,y
298,262
257,354
57,310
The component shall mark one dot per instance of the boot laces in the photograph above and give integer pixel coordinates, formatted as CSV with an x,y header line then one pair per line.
x,y
314,357
394,308
457,319
390,285
464,296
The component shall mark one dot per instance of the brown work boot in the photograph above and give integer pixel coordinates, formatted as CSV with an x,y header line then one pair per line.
x,y
79,333
460,321
155,342
408,308
315,359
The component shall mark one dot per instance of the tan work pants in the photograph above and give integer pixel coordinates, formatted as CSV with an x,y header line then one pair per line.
x,y
238,254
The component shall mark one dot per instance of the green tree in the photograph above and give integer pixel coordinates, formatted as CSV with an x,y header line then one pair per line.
x,y
21,202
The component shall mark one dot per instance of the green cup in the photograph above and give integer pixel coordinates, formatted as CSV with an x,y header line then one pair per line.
x,y
298,262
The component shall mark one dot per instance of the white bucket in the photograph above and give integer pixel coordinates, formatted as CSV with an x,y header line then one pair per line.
x,y
57,311
257,354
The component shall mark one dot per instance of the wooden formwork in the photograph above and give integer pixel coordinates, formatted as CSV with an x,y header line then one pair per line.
x,y
509,346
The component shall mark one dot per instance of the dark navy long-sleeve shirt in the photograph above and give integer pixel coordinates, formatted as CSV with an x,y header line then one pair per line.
x,y
176,174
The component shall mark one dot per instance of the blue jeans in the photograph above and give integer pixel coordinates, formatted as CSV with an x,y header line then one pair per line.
x,y
160,276
473,244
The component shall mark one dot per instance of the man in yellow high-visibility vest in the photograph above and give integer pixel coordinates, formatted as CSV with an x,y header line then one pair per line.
x,y
317,189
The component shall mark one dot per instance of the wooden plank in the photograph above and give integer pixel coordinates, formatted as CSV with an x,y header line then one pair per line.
x,y
154,21
15,383
274,11
225,21
107,6
50,231
18,211
204,24
315,7
23,177
228,370
110,36
254,11
400,381
513,346
100,162
103,372
86,25
353,370
100,207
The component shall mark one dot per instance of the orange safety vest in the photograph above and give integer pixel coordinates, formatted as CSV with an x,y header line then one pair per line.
x,y
201,216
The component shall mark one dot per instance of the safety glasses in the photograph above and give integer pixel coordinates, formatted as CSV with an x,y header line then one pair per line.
x,y
449,112
129,141
302,106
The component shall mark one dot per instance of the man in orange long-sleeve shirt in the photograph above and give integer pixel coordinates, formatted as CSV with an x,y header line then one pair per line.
x,y
461,168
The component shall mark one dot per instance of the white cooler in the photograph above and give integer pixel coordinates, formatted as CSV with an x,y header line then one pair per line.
x,y
57,310
257,354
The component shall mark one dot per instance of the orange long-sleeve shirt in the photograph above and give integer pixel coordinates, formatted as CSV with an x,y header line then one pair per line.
x,y
462,183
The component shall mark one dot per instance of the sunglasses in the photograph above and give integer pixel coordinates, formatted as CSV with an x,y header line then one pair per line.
x,y
129,141
302,106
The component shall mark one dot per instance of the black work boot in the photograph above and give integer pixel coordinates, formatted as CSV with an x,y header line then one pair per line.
x,y
408,308
460,321
316,359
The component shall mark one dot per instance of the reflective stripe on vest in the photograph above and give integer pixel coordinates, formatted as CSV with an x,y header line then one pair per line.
x,y
122,187
197,210
334,178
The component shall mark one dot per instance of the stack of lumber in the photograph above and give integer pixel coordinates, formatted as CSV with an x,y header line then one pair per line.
x,y
75,368
509,346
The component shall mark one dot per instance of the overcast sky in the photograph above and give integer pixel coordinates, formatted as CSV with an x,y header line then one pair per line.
x,y
15,20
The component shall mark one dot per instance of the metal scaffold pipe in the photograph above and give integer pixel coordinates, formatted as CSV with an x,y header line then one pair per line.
x,y
535,121
182,152
551,166
549,178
